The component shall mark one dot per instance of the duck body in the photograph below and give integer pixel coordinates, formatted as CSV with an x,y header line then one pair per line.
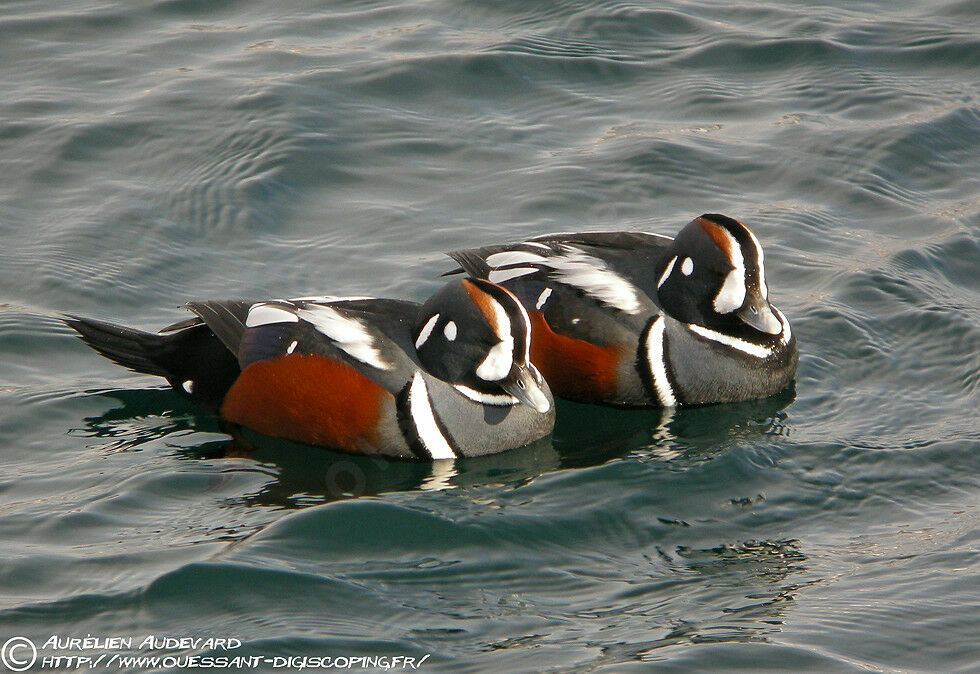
x,y
359,375
641,319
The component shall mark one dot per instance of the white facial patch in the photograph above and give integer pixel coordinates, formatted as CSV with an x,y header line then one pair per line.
x,y
591,275
268,314
687,266
450,331
732,293
426,331
498,361
188,386
348,334
542,298
669,268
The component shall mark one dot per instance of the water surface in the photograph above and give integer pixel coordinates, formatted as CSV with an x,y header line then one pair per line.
x,y
157,152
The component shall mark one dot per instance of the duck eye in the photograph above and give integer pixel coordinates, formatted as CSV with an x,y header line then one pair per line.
x,y
520,384
754,310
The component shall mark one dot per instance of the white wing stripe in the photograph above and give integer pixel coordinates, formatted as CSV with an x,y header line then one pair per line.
x,y
510,257
590,274
501,275
348,334
267,314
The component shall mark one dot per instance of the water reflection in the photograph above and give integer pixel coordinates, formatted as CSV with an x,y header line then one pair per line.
x,y
303,475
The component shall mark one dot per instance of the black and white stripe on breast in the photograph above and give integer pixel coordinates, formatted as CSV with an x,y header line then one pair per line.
x,y
424,432
653,363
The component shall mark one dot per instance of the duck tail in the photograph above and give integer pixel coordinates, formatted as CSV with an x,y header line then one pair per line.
x,y
135,349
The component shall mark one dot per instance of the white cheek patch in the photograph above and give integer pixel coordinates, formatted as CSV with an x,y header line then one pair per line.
x,y
687,266
267,314
426,331
450,331
188,386
732,292
348,334
498,362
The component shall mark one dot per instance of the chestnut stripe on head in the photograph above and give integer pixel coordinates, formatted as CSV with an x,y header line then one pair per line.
x,y
732,293
748,247
500,358
510,323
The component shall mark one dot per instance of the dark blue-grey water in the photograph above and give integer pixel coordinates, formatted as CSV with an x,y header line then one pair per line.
x,y
156,152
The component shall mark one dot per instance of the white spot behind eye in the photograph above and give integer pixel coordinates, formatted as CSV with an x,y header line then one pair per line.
x,y
687,266
450,331
188,386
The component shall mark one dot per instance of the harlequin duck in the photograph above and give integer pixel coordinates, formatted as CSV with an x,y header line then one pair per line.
x,y
638,319
374,376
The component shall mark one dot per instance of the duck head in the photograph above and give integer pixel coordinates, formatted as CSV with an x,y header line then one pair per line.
x,y
714,276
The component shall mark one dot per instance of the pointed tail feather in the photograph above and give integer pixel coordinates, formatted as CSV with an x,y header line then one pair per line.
x,y
130,348
471,262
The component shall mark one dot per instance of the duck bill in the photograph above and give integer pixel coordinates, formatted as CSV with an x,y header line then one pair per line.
x,y
757,314
525,384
